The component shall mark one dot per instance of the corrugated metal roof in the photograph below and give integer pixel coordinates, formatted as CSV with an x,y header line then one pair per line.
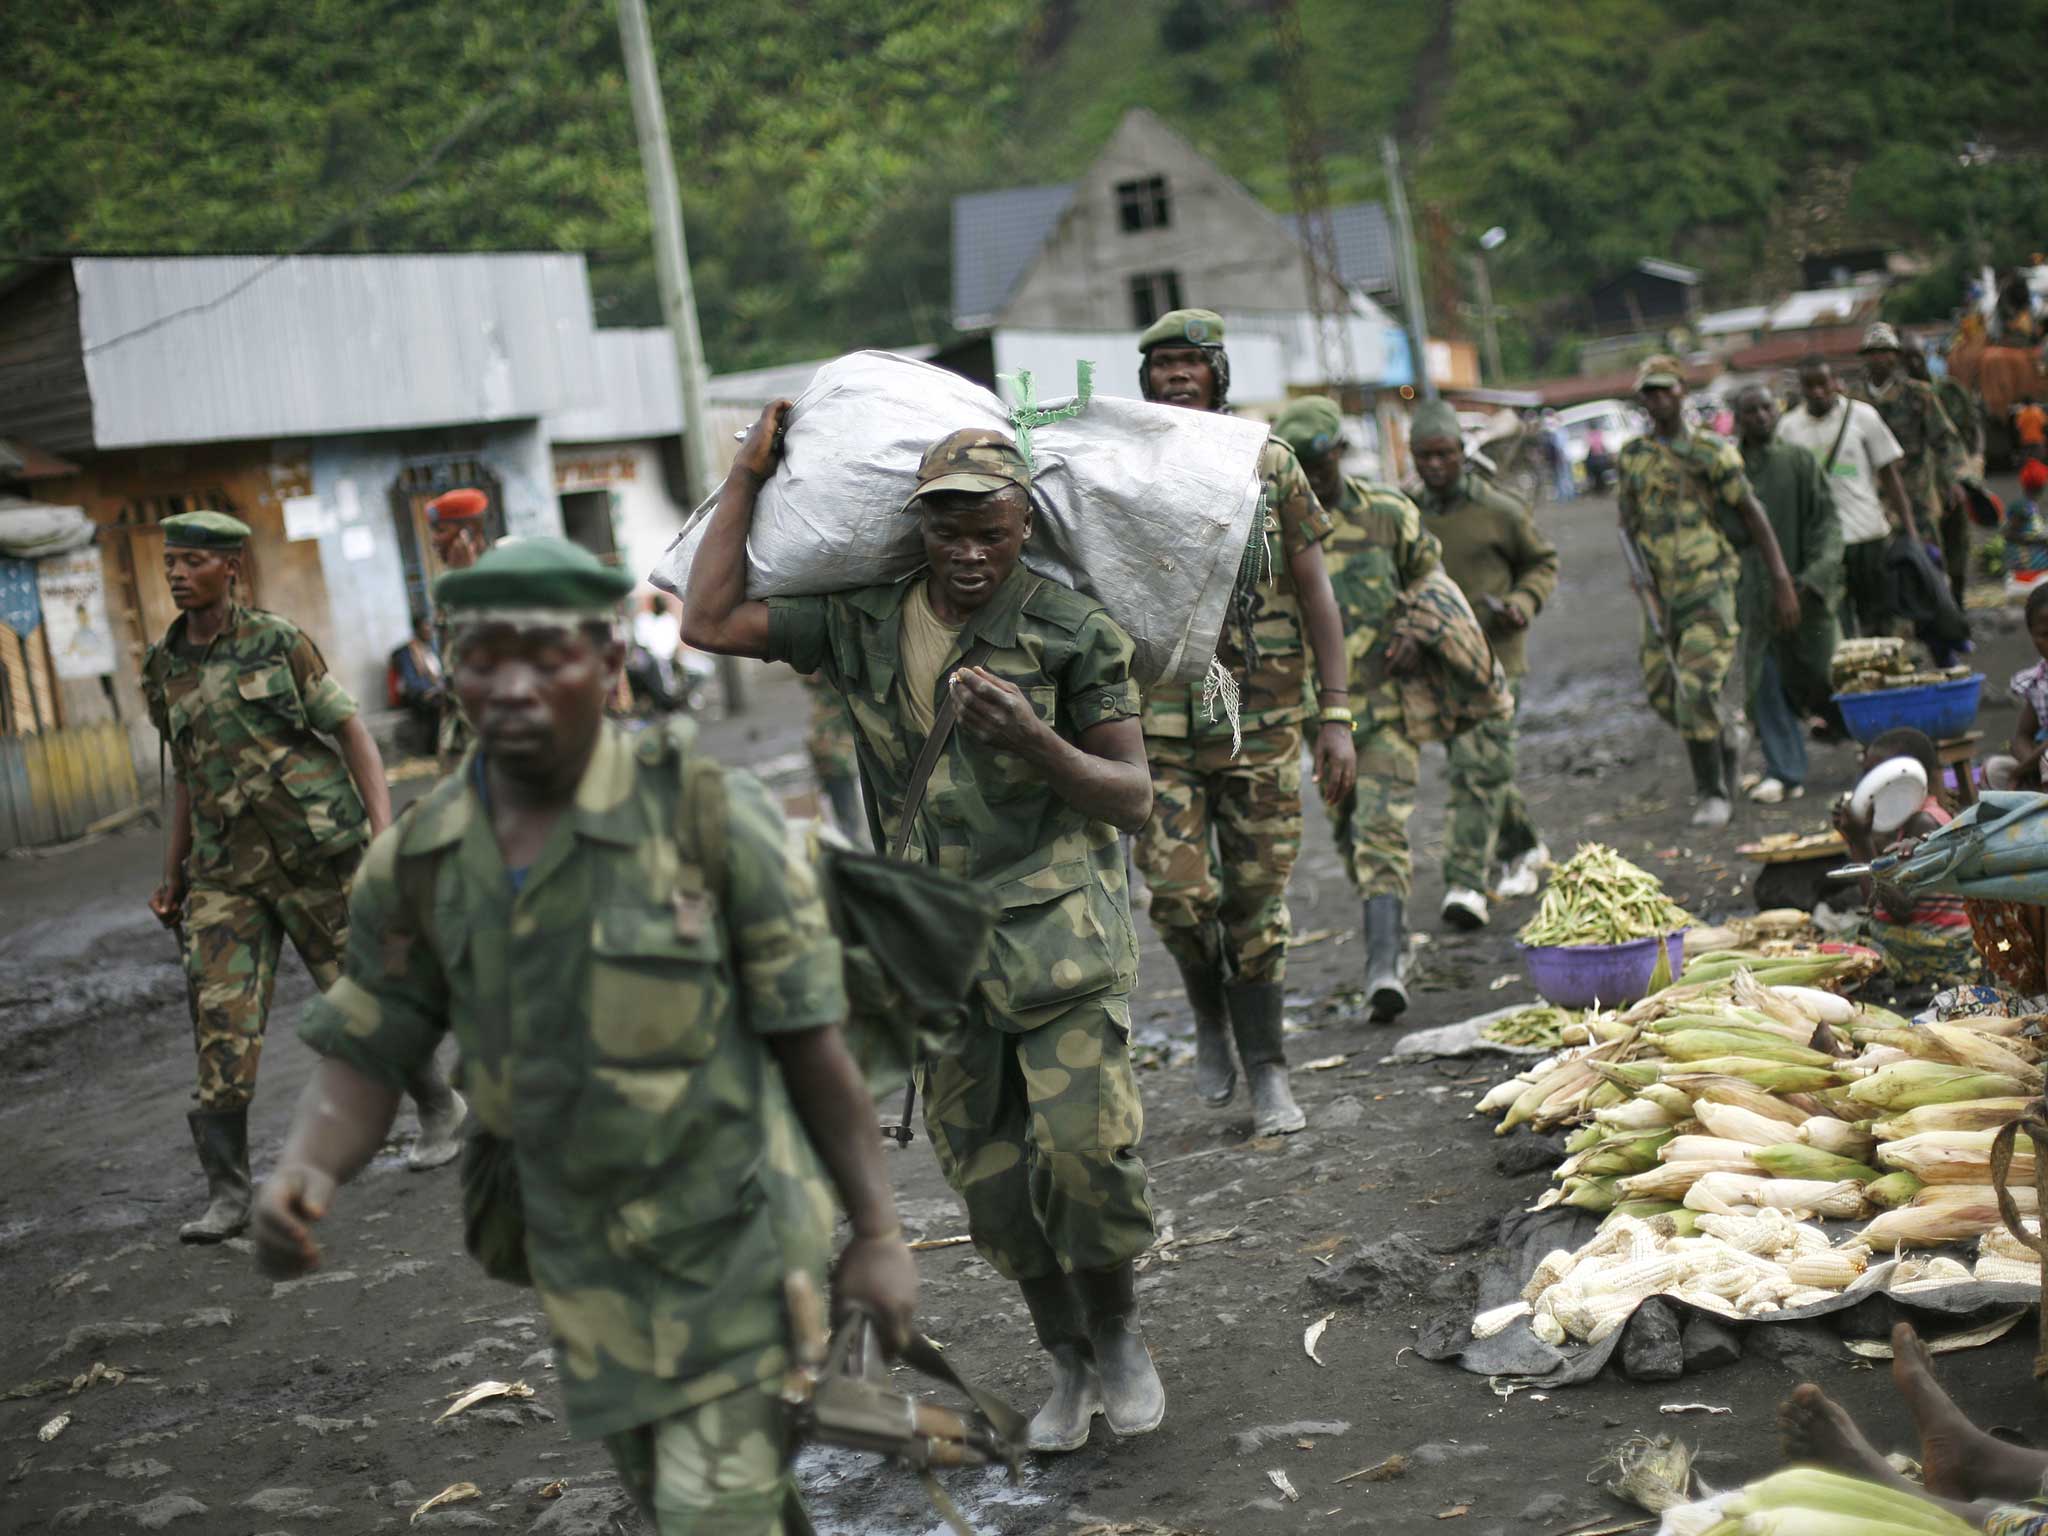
x,y
995,237
639,393
1365,246
215,348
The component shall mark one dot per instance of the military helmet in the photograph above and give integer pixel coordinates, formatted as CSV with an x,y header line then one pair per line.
x,y
1186,328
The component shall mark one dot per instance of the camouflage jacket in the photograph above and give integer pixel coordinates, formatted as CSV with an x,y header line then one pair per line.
x,y
1960,406
1933,447
1274,687
612,1016
1065,933
1458,680
1679,500
242,721
1378,551
1493,548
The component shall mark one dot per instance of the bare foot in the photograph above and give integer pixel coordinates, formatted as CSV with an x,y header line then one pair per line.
x,y
1957,1459
1813,1427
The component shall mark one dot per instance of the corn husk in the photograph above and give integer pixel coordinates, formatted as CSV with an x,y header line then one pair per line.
x,y
1966,1115
1727,1193
1908,1084
1651,1474
1892,1191
1590,1194
1729,1040
1773,1077
1625,1155
1821,1007
1694,1149
1738,1091
1943,1213
1639,1210
2000,1241
1671,1181
1844,1138
1638,1115
1673,1101
1841,1504
1987,1053
1797,1160
1953,1157
1732,1122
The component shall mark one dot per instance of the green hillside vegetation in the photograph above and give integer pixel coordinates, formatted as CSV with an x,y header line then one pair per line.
x,y
819,144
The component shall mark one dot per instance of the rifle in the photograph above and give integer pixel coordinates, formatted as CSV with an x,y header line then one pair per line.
x,y
1645,587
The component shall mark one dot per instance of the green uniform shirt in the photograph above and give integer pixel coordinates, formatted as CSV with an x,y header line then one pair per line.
x,y
242,719
1273,682
1378,549
612,1016
1801,509
1493,548
989,816
1933,449
1674,498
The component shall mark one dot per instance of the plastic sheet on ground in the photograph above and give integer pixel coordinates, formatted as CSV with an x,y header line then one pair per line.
x,y
1146,508
1527,1236
1464,1039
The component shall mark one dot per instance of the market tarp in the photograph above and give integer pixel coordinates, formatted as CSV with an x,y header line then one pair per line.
x,y
1515,1353
1146,508
1995,850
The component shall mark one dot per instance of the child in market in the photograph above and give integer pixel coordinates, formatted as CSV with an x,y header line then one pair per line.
x,y
1925,939
2026,526
2019,767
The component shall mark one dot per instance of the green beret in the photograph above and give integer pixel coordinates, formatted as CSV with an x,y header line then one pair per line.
x,y
204,530
1434,418
535,575
1311,426
1192,327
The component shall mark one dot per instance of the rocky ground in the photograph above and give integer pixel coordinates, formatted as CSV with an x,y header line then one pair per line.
x,y
228,1404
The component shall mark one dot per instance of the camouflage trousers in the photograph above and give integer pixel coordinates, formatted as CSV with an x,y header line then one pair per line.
x,y
233,937
1370,825
830,738
1703,634
719,1469
1487,820
1221,843
1038,1134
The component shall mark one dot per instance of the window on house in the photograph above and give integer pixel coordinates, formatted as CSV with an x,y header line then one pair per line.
x,y
1142,204
1152,295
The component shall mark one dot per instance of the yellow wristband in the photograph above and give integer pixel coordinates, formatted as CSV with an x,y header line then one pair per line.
x,y
1337,717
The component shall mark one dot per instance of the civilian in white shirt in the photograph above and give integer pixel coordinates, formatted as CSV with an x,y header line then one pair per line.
x,y
1860,457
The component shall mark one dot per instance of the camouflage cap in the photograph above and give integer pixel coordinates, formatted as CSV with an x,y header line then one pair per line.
x,y
1434,419
1192,327
1311,426
458,505
1879,338
204,530
1660,370
538,575
976,459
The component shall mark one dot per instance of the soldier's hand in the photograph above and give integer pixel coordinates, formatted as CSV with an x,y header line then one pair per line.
x,y
1402,655
761,450
168,902
994,710
878,1275
291,1200
1786,601
1336,762
1509,618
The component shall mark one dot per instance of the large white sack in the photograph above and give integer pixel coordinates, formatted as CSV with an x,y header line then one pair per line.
x,y
1146,508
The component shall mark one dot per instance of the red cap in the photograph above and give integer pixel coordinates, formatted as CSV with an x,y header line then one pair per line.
x,y
2033,476
457,506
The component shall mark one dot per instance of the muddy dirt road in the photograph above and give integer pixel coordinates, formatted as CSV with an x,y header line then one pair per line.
x,y
252,1408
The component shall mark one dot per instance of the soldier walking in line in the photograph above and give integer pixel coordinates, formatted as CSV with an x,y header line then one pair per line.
x,y
267,827
455,525
1375,551
1507,569
1225,830
650,1032
1034,1115
1933,449
1683,501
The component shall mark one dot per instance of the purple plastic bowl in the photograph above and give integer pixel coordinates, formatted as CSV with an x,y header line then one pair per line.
x,y
1613,975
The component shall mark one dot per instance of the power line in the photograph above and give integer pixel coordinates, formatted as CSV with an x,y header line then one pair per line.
x,y
471,120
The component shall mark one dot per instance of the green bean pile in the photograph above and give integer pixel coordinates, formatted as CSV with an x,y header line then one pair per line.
x,y
1542,1025
1601,898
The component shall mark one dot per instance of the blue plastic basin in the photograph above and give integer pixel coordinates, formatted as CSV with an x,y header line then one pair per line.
x,y
1941,710
1613,975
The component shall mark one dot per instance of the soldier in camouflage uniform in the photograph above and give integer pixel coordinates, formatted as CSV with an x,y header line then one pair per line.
x,y
1376,550
1683,498
651,1025
1933,447
264,835
1507,570
455,524
830,745
1226,828
1033,1113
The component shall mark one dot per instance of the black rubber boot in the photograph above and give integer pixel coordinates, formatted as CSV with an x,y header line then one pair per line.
x,y
221,1137
1215,1070
1133,1401
1711,807
1255,1018
1386,959
1062,1424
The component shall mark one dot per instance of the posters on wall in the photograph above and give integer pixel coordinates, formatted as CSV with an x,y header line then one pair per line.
x,y
74,602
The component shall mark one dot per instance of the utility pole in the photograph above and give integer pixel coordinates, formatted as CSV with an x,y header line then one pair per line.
x,y
1489,242
1411,276
672,275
